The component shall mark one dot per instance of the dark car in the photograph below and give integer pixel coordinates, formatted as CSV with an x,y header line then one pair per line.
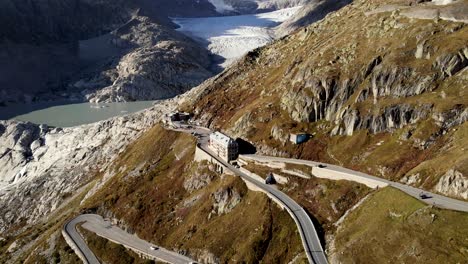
x,y
321,166
424,196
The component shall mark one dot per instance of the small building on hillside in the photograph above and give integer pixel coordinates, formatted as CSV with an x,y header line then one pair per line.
x,y
224,146
270,179
299,138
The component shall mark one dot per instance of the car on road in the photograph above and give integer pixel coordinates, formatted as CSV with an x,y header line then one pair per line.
x,y
424,196
154,248
321,166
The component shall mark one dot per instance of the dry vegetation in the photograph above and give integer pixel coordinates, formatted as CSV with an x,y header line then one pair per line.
x,y
325,200
109,252
391,221
154,204
148,197
260,81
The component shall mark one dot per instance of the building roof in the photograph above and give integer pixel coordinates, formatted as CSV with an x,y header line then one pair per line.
x,y
221,139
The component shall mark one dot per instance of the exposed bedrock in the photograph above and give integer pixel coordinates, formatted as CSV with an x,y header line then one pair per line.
x,y
336,99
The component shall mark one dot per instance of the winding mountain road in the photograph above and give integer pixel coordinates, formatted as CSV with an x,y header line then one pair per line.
x,y
105,229
307,231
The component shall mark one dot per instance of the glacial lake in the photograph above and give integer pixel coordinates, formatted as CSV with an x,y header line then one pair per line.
x,y
68,115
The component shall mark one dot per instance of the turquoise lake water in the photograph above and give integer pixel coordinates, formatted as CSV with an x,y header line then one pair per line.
x,y
67,115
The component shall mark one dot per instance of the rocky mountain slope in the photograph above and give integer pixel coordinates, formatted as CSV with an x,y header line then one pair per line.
x,y
105,51
311,12
378,91
45,166
152,61
46,49
177,203
253,6
366,86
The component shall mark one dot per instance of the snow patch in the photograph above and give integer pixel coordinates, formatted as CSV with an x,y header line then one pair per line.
x,y
442,2
221,6
233,36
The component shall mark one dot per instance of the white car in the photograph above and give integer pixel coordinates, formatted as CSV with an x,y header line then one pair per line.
x,y
154,248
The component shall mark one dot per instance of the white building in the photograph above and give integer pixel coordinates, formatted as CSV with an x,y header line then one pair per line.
x,y
224,146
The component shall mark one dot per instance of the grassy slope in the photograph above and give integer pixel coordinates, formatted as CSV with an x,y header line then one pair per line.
x,y
255,87
152,204
325,200
391,221
146,193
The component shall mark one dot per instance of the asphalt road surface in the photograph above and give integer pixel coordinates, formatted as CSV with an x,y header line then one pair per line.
x,y
70,229
102,228
432,198
309,237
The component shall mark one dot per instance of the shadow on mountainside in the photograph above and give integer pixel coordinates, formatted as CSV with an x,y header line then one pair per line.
x,y
245,147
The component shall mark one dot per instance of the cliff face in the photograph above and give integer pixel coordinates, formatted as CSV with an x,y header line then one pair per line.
x,y
350,79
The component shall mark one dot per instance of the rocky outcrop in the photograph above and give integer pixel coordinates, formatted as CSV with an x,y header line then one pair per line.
x,y
453,183
411,179
100,52
279,134
242,126
205,256
315,99
159,72
156,63
224,200
40,167
450,64
451,118
392,117
201,178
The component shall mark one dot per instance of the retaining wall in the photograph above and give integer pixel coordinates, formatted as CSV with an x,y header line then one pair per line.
x,y
339,175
